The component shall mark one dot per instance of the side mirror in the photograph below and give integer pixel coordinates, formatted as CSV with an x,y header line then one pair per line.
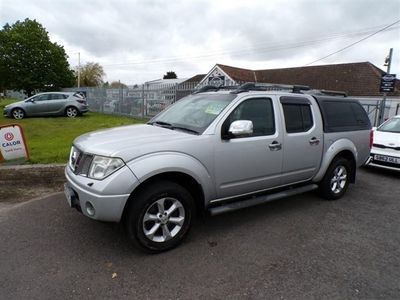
x,y
241,128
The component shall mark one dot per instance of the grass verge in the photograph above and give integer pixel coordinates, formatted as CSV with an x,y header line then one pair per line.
x,y
49,139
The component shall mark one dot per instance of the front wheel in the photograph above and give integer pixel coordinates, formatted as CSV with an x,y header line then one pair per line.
x,y
336,180
18,113
160,216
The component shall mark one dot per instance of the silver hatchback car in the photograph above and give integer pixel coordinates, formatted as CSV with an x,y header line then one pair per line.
x,y
70,104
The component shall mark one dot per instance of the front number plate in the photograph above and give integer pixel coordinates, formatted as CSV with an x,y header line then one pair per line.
x,y
385,158
68,194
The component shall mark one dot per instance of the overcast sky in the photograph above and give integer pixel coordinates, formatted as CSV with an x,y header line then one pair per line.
x,y
136,41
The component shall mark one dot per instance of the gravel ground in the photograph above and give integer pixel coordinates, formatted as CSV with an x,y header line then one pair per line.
x,y
295,248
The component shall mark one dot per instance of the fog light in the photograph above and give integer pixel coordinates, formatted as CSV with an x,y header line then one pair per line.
x,y
90,209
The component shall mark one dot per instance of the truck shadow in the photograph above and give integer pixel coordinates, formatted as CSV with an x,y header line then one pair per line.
x,y
206,230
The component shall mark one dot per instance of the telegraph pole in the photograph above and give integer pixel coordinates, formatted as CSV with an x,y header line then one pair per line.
x,y
79,69
388,62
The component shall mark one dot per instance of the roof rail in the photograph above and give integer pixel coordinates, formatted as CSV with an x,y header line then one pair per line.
x,y
251,86
328,93
209,88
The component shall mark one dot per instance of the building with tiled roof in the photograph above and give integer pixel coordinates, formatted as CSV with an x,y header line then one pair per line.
x,y
186,87
360,80
356,79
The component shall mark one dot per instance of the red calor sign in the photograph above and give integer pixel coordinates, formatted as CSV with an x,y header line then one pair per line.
x,y
12,143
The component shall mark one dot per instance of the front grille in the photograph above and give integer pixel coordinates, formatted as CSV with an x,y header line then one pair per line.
x,y
385,147
80,162
84,164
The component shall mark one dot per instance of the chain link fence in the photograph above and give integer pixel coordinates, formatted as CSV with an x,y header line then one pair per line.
x,y
147,100
140,101
372,107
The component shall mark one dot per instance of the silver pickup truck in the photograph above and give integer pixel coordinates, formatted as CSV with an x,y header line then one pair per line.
x,y
217,151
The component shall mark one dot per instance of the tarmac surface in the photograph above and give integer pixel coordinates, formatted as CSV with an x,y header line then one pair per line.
x,y
296,248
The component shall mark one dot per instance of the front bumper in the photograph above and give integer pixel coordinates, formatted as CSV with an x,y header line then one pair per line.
x,y
6,113
102,200
381,164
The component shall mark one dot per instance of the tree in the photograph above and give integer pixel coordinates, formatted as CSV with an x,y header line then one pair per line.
x,y
117,85
170,75
29,61
91,74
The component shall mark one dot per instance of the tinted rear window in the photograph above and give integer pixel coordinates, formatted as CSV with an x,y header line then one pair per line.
x,y
343,115
79,95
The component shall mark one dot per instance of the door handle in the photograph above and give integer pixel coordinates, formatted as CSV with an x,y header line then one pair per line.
x,y
275,146
314,141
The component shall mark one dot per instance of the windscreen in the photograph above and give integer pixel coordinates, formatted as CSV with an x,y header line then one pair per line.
x,y
392,125
193,113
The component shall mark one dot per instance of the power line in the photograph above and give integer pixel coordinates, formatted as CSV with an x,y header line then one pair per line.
x,y
252,50
352,44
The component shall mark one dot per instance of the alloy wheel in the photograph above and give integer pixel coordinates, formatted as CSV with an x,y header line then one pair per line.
x,y
72,112
163,220
18,114
339,179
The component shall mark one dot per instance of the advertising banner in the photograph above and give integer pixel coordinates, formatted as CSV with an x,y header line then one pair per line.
x,y
12,143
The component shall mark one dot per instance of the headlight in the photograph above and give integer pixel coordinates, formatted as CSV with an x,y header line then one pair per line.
x,y
103,166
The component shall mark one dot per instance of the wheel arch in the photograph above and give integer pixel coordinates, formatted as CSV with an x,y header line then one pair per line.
x,y
18,107
183,179
70,105
347,154
341,148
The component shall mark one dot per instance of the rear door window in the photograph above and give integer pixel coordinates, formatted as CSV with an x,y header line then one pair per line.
x,y
298,115
58,96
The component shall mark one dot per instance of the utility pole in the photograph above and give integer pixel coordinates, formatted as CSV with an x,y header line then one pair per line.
x,y
388,62
79,70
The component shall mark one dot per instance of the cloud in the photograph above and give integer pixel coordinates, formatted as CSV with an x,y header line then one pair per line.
x,y
141,40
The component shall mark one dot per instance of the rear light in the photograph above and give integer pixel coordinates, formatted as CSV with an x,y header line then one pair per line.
x,y
371,138
81,101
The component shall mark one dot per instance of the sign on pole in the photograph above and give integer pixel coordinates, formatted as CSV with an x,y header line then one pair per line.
x,y
12,143
387,83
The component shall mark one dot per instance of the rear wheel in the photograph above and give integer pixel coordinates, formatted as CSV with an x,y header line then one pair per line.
x,y
18,113
71,112
336,180
160,216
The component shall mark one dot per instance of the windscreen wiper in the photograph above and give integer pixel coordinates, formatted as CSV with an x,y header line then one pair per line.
x,y
170,126
185,129
161,123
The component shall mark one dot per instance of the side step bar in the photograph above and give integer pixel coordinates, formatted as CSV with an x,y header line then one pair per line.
x,y
260,199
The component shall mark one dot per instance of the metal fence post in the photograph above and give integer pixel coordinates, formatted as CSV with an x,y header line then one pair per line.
x,y
142,101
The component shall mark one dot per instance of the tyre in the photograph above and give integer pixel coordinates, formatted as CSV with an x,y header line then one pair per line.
x,y
71,112
336,180
18,113
159,217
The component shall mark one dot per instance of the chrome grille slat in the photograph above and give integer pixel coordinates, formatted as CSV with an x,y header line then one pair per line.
x,y
80,162
84,165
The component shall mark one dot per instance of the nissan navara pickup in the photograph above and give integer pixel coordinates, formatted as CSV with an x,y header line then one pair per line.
x,y
217,151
